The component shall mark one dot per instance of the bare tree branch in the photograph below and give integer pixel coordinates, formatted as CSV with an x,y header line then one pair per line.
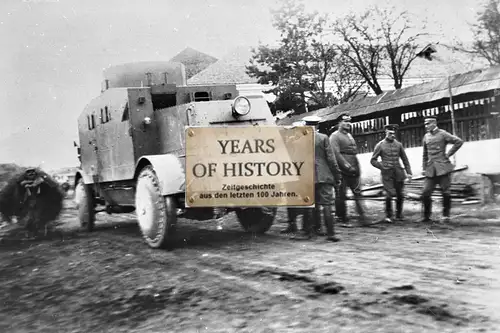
x,y
379,42
300,66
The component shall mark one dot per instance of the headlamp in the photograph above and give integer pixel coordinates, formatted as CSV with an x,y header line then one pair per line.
x,y
241,106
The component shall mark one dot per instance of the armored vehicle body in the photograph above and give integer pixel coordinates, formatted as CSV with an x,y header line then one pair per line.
x,y
132,146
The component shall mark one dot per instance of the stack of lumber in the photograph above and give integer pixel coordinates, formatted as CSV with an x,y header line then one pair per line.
x,y
460,192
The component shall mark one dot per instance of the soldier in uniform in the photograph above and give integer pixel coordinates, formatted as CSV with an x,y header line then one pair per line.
x,y
345,149
33,197
436,166
327,177
390,151
293,213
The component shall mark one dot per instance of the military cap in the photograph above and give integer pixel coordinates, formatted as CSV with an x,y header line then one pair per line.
x,y
426,118
311,120
30,172
391,127
344,117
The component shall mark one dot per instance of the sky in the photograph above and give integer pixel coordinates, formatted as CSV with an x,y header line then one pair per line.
x,y
54,51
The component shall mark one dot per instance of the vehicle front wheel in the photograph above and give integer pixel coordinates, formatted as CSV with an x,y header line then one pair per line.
x,y
156,214
256,220
85,203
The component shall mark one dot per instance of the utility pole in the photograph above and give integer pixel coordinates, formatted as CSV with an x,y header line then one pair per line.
x,y
452,108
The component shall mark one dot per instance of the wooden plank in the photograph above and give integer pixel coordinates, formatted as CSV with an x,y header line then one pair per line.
x,y
379,186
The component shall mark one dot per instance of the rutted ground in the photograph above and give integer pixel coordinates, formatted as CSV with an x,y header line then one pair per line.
x,y
396,278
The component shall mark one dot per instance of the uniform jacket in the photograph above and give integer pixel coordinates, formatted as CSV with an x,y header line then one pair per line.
x,y
436,162
390,153
326,167
345,149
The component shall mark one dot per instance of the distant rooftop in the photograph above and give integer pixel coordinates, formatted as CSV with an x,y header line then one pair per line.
x,y
231,69
194,61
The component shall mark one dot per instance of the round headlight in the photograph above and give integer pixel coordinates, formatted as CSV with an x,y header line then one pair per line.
x,y
241,106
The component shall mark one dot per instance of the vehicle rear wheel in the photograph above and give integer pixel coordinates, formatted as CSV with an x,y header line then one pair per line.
x,y
156,214
256,220
85,203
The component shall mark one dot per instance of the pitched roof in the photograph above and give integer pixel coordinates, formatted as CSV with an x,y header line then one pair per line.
x,y
449,60
194,61
473,81
231,69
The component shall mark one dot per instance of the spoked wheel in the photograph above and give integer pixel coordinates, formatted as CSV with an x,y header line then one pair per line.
x,y
156,214
256,220
85,203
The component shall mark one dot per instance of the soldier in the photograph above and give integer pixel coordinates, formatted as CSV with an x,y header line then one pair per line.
x,y
393,176
345,149
436,166
293,213
327,175
33,197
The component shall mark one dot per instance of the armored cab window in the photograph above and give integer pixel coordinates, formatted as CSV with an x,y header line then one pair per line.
x,y
91,122
107,114
228,96
201,96
162,101
125,115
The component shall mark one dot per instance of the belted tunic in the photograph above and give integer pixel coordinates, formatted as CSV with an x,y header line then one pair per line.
x,y
346,150
436,162
390,153
392,172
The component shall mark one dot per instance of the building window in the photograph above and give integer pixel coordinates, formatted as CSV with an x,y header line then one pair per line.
x,y
102,116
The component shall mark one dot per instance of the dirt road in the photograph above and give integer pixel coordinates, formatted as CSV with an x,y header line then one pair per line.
x,y
392,278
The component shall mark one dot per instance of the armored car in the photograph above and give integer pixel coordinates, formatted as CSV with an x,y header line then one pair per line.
x,y
132,146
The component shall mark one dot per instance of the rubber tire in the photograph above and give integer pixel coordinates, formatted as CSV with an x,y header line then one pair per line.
x,y
156,214
256,220
85,203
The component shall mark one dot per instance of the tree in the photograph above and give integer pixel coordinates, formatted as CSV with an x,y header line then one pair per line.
x,y
487,33
362,47
378,42
329,65
401,42
302,63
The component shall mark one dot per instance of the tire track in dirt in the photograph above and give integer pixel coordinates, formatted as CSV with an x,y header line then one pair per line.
x,y
261,277
254,283
390,261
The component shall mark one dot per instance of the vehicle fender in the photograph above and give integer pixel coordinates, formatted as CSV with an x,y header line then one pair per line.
x,y
87,179
169,170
